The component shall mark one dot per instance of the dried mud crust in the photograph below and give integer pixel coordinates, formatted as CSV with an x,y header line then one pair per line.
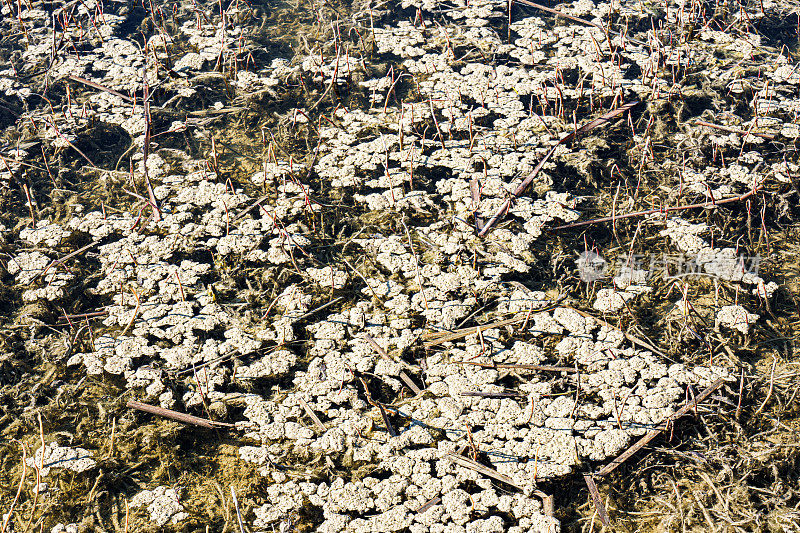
x,y
282,234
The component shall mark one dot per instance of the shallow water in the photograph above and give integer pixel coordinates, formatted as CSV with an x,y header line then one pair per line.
x,y
312,222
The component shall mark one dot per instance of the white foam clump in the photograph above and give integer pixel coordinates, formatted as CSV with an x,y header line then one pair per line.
x,y
55,456
736,317
163,503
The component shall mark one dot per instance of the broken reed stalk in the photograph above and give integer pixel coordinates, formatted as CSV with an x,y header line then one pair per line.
x,y
544,368
57,262
146,148
236,506
527,181
10,514
634,340
738,131
405,377
576,19
482,469
436,499
175,415
312,415
711,203
638,445
99,86
493,394
598,501
653,433
388,423
434,338
430,503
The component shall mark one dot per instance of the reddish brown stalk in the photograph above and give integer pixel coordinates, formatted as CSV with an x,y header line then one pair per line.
x,y
175,415
712,203
598,502
69,255
69,318
146,149
527,181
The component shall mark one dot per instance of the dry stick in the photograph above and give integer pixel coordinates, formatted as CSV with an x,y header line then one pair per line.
x,y
80,153
767,136
436,499
460,460
493,394
389,427
544,368
388,423
10,513
175,415
238,512
430,503
38,467
771,386
482,469
57,262
576,19
440,337
653,433
80,316
99,86
320,308
712,203
527,181
148,123
406,379
631,338
475,193
598,502
133,317
312,415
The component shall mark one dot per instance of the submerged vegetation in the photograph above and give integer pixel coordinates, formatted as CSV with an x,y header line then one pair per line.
x,y
414,266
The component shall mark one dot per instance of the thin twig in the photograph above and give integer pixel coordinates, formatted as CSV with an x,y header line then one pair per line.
x,y
535,172
434,338
576,19
100,86
767,136
312,415
631,338
10,514
544,368
430,503
493,394
405,377
771,386
712,203
57,262
238,512
482,469
175,415
148,124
